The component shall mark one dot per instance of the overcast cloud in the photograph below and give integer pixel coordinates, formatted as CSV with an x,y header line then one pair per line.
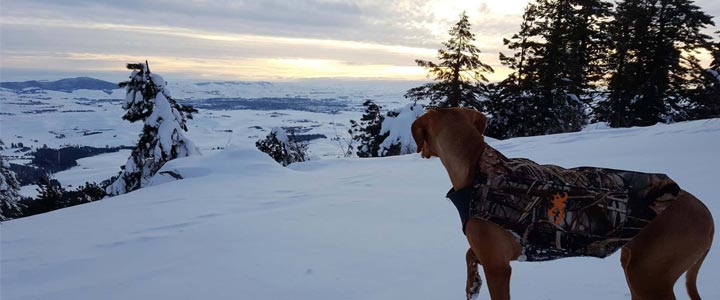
x,y
241,39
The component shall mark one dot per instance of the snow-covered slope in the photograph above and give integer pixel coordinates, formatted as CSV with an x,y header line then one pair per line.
x,y
242,227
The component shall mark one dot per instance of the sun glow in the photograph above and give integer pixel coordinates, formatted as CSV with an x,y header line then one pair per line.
x,y
288,66
244,69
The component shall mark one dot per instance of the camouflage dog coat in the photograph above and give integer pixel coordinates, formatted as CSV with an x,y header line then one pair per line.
x,y
557,212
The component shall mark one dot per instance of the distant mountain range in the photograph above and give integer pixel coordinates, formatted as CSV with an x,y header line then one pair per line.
x,y
86,83
63,85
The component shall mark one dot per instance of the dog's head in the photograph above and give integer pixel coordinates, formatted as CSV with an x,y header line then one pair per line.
x,y
444,129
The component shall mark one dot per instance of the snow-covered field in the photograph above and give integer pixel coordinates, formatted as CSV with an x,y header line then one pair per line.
x,y
240,226
93,118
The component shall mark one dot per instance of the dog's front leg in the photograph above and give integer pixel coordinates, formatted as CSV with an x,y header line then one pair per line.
x,y
493,247
474,282
497,275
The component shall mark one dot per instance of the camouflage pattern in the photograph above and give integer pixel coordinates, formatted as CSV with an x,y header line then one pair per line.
x,y
557,212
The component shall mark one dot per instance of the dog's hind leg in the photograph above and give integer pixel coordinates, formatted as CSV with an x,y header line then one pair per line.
x,y
691,278
474,282
671,244
645,278
692,272
625,255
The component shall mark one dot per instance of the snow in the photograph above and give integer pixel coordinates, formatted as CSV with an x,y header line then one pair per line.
x,y
714,74
280,134
29,191
596,126
92,169
399,128
239,226
167,119
574,98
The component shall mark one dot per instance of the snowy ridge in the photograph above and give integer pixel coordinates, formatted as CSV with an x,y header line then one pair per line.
x,y
239,226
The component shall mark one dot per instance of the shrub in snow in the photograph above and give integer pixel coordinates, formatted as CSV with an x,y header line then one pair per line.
x,y
396,126
282,147
52,196
148,100
367,130
10,206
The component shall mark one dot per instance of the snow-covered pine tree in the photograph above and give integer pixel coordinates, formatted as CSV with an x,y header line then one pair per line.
x,y
396,127
457,74
282,147
367,130
10,206
149,100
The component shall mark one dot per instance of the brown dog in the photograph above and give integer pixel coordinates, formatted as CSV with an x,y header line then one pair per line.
x,y
675,242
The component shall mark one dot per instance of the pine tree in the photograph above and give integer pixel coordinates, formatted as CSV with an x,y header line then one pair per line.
x,y
715,64
457,74
558,62
654,63
513,112
704,101
572,60
367,130
51,194
10,206
282,147
148,100
525,46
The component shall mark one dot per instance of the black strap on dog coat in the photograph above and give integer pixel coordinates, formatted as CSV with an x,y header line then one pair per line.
x,y
461,199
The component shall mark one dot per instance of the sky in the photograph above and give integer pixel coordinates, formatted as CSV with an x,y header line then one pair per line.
x,y
272,40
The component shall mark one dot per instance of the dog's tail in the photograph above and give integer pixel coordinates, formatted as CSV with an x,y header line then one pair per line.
x,y
691,276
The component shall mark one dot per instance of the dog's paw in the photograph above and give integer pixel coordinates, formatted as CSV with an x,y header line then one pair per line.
x,y
473,289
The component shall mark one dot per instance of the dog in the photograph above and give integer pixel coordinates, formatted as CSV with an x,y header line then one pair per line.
x,y
675,242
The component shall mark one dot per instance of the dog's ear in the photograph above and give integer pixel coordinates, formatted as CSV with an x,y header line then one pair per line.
x,y
480,121
418,132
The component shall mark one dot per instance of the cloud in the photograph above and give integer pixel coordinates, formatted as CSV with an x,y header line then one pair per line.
x,y
363,36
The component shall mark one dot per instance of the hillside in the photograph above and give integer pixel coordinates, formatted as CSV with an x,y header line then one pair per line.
x,y
242,227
